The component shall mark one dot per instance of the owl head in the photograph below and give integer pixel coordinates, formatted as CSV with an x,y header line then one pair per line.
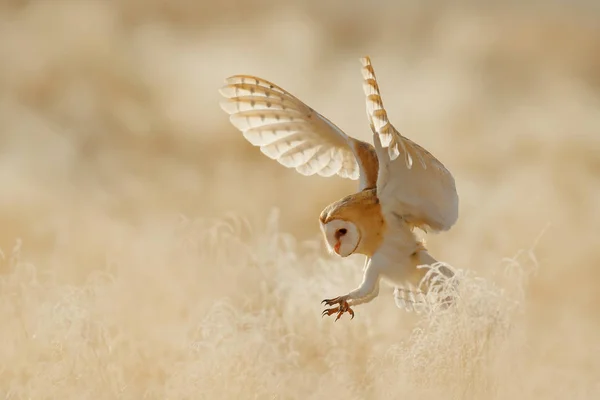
x,y
353,224
342,237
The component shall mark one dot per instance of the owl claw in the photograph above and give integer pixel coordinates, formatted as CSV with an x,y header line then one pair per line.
x,y
340,309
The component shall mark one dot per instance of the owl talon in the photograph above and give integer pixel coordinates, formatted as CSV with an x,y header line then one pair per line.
x,y
330,311
340,310
337,300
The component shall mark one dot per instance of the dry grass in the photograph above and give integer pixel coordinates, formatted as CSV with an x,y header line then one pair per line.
x,y
136,261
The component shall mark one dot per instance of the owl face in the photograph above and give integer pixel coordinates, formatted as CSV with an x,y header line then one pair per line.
x,y
342,237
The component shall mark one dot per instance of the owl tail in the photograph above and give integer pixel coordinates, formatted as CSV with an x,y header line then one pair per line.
x,y
409,298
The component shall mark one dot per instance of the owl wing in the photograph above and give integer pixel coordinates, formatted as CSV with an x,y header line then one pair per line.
x,y
412,184
290,132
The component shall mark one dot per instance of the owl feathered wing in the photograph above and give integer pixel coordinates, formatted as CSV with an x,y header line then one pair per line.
x,y
412,184
292,133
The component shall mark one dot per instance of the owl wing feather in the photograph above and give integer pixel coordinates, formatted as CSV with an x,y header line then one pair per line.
x,y
290,132
412,184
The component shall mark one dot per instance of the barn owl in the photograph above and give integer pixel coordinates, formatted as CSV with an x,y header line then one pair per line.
x,y
401,186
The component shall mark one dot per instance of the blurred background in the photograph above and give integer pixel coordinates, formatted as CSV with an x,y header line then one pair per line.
x,y
111,134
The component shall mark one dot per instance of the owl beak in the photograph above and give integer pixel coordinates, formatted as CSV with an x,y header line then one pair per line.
x,y
336,248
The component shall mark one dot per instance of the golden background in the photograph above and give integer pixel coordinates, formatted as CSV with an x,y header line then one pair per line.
x,y
117,167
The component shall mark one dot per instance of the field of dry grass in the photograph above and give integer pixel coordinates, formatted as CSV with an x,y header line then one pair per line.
x,y
148,251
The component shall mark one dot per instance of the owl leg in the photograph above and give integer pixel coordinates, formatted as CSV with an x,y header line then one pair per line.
x,y
367,298
367,291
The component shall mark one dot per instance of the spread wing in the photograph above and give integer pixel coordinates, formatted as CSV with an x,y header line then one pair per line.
x,y
292,133
412,184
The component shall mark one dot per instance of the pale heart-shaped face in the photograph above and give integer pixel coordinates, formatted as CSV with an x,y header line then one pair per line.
x,y
342,237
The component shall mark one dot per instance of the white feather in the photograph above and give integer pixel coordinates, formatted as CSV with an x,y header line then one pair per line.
x,y
287,130
423,192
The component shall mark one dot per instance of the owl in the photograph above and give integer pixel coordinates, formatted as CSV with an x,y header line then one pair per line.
x,y
401,186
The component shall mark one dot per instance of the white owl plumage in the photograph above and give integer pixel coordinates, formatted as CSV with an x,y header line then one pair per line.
x,y
401,185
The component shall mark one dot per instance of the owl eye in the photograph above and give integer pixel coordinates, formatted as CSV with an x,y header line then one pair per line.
x,y
343,231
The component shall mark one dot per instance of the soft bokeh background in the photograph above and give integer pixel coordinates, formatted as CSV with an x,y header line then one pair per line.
x,y
127,270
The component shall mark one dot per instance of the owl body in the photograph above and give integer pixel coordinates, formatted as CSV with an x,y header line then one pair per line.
x,y
401,185
401,248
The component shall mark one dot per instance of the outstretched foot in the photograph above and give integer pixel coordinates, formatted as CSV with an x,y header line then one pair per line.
x,y
340,309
